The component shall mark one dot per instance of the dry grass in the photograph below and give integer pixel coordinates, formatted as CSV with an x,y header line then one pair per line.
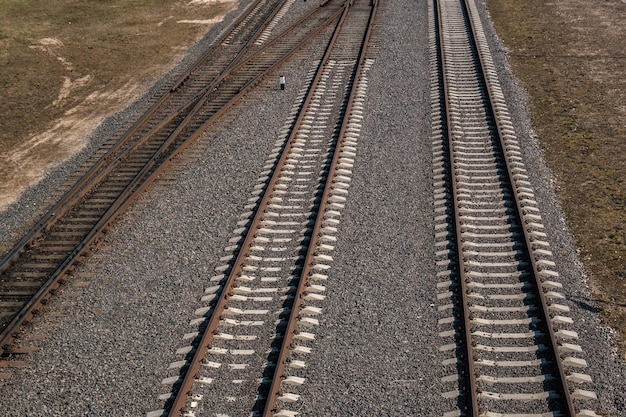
x,y
66,64
571,57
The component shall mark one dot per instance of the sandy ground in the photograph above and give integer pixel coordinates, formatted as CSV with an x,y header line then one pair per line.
x,y
28,163
71,133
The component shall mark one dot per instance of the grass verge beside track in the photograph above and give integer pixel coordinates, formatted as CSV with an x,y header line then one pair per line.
x,y
571,58
66,64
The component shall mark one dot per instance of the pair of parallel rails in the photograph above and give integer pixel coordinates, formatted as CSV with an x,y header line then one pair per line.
x,y
510,352
282,251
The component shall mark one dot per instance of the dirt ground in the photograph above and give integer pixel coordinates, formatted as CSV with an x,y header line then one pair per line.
x,y
570,55
65,65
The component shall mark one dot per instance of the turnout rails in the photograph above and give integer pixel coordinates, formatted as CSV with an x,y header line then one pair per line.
x,y
282,250
238,61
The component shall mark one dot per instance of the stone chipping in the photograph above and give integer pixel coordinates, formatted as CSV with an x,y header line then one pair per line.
x,y
105,341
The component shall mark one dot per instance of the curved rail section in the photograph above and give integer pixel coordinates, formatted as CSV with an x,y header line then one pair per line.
x,y
36,264
251,340
511,349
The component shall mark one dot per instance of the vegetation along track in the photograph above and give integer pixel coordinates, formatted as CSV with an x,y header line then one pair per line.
x,y
251,340
239,60
509,346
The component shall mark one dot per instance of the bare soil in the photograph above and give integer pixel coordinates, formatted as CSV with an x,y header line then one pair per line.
x,y
570,56
67,64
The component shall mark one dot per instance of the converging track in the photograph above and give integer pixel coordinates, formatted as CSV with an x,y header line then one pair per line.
x,y
511,352
238,61
281,251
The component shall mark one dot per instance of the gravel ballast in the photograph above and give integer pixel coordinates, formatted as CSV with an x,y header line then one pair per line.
x,y
106,340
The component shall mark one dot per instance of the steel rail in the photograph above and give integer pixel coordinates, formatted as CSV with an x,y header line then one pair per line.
x,y
274,11
132,189
474,409
282,360
184,389
519,209
78,189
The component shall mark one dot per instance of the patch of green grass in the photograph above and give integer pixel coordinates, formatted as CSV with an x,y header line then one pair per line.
x,y
9,5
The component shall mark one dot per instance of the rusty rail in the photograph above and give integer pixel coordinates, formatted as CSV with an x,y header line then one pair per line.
x,y
466,320
157,162
281,363
472,374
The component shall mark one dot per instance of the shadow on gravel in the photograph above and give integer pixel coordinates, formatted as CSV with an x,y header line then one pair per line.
x,y
583,303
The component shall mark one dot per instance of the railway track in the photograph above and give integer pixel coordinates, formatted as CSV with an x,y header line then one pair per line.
x,y
249,344
508,341
36,265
